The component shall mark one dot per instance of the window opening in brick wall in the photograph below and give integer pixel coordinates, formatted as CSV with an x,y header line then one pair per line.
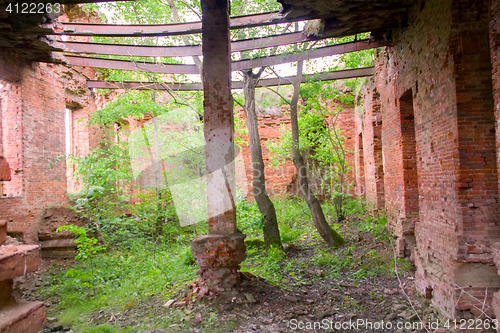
x,y
410,174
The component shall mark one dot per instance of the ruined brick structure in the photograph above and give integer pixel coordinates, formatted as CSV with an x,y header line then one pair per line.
x,y
277,180
33,100
427,149
32,111
282,181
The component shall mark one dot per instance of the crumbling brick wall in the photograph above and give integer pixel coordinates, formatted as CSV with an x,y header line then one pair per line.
x,y
80,101
281,181
370,124
33,101
438,141
495,60
33,127
277,179
346,125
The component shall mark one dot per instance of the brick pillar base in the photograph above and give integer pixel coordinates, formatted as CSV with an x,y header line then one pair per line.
x,y
219,258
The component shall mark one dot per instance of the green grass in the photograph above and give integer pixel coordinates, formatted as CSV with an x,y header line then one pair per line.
x,y
129,280
121,280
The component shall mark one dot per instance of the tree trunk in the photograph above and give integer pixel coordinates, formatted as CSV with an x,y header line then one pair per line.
x,y
331,237
266,207
160,218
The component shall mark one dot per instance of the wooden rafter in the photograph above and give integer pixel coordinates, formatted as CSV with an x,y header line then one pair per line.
x,y
306,55
336,75
178,51
132,66
236,65
137,30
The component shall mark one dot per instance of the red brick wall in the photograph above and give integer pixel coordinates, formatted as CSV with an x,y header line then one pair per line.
x,y
450,189
11,136
372,154
346,125
279,181
495,59
32,105
35,109
81,103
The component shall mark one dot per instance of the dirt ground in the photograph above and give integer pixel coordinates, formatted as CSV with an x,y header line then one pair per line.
x,y
308,300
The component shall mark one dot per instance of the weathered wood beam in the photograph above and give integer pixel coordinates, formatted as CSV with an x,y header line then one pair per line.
x,y
136,30
330,76
144,85
132,66
130,50
179,51
235,65
306,55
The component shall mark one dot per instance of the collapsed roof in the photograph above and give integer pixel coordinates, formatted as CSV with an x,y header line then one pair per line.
x,y
29,34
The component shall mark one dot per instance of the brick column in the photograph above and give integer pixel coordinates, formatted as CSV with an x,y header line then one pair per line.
x,y
221,251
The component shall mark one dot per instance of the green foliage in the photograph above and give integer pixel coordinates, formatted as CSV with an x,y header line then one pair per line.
x,y
374,226
87,249
249,219
274,257
104,168
131,104
187,257
101,329
121,277
267,264
289,234
254,242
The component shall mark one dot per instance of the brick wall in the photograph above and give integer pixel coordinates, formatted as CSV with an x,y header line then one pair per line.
x,y
438,143
32,104
33,130
11,136
371,123
346,125
81,103
278,179
495,60
281,181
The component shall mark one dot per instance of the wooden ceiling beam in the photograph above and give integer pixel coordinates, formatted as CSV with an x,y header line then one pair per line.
x,y
335,75
306,55
138,30
235,66
132,66
179,51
